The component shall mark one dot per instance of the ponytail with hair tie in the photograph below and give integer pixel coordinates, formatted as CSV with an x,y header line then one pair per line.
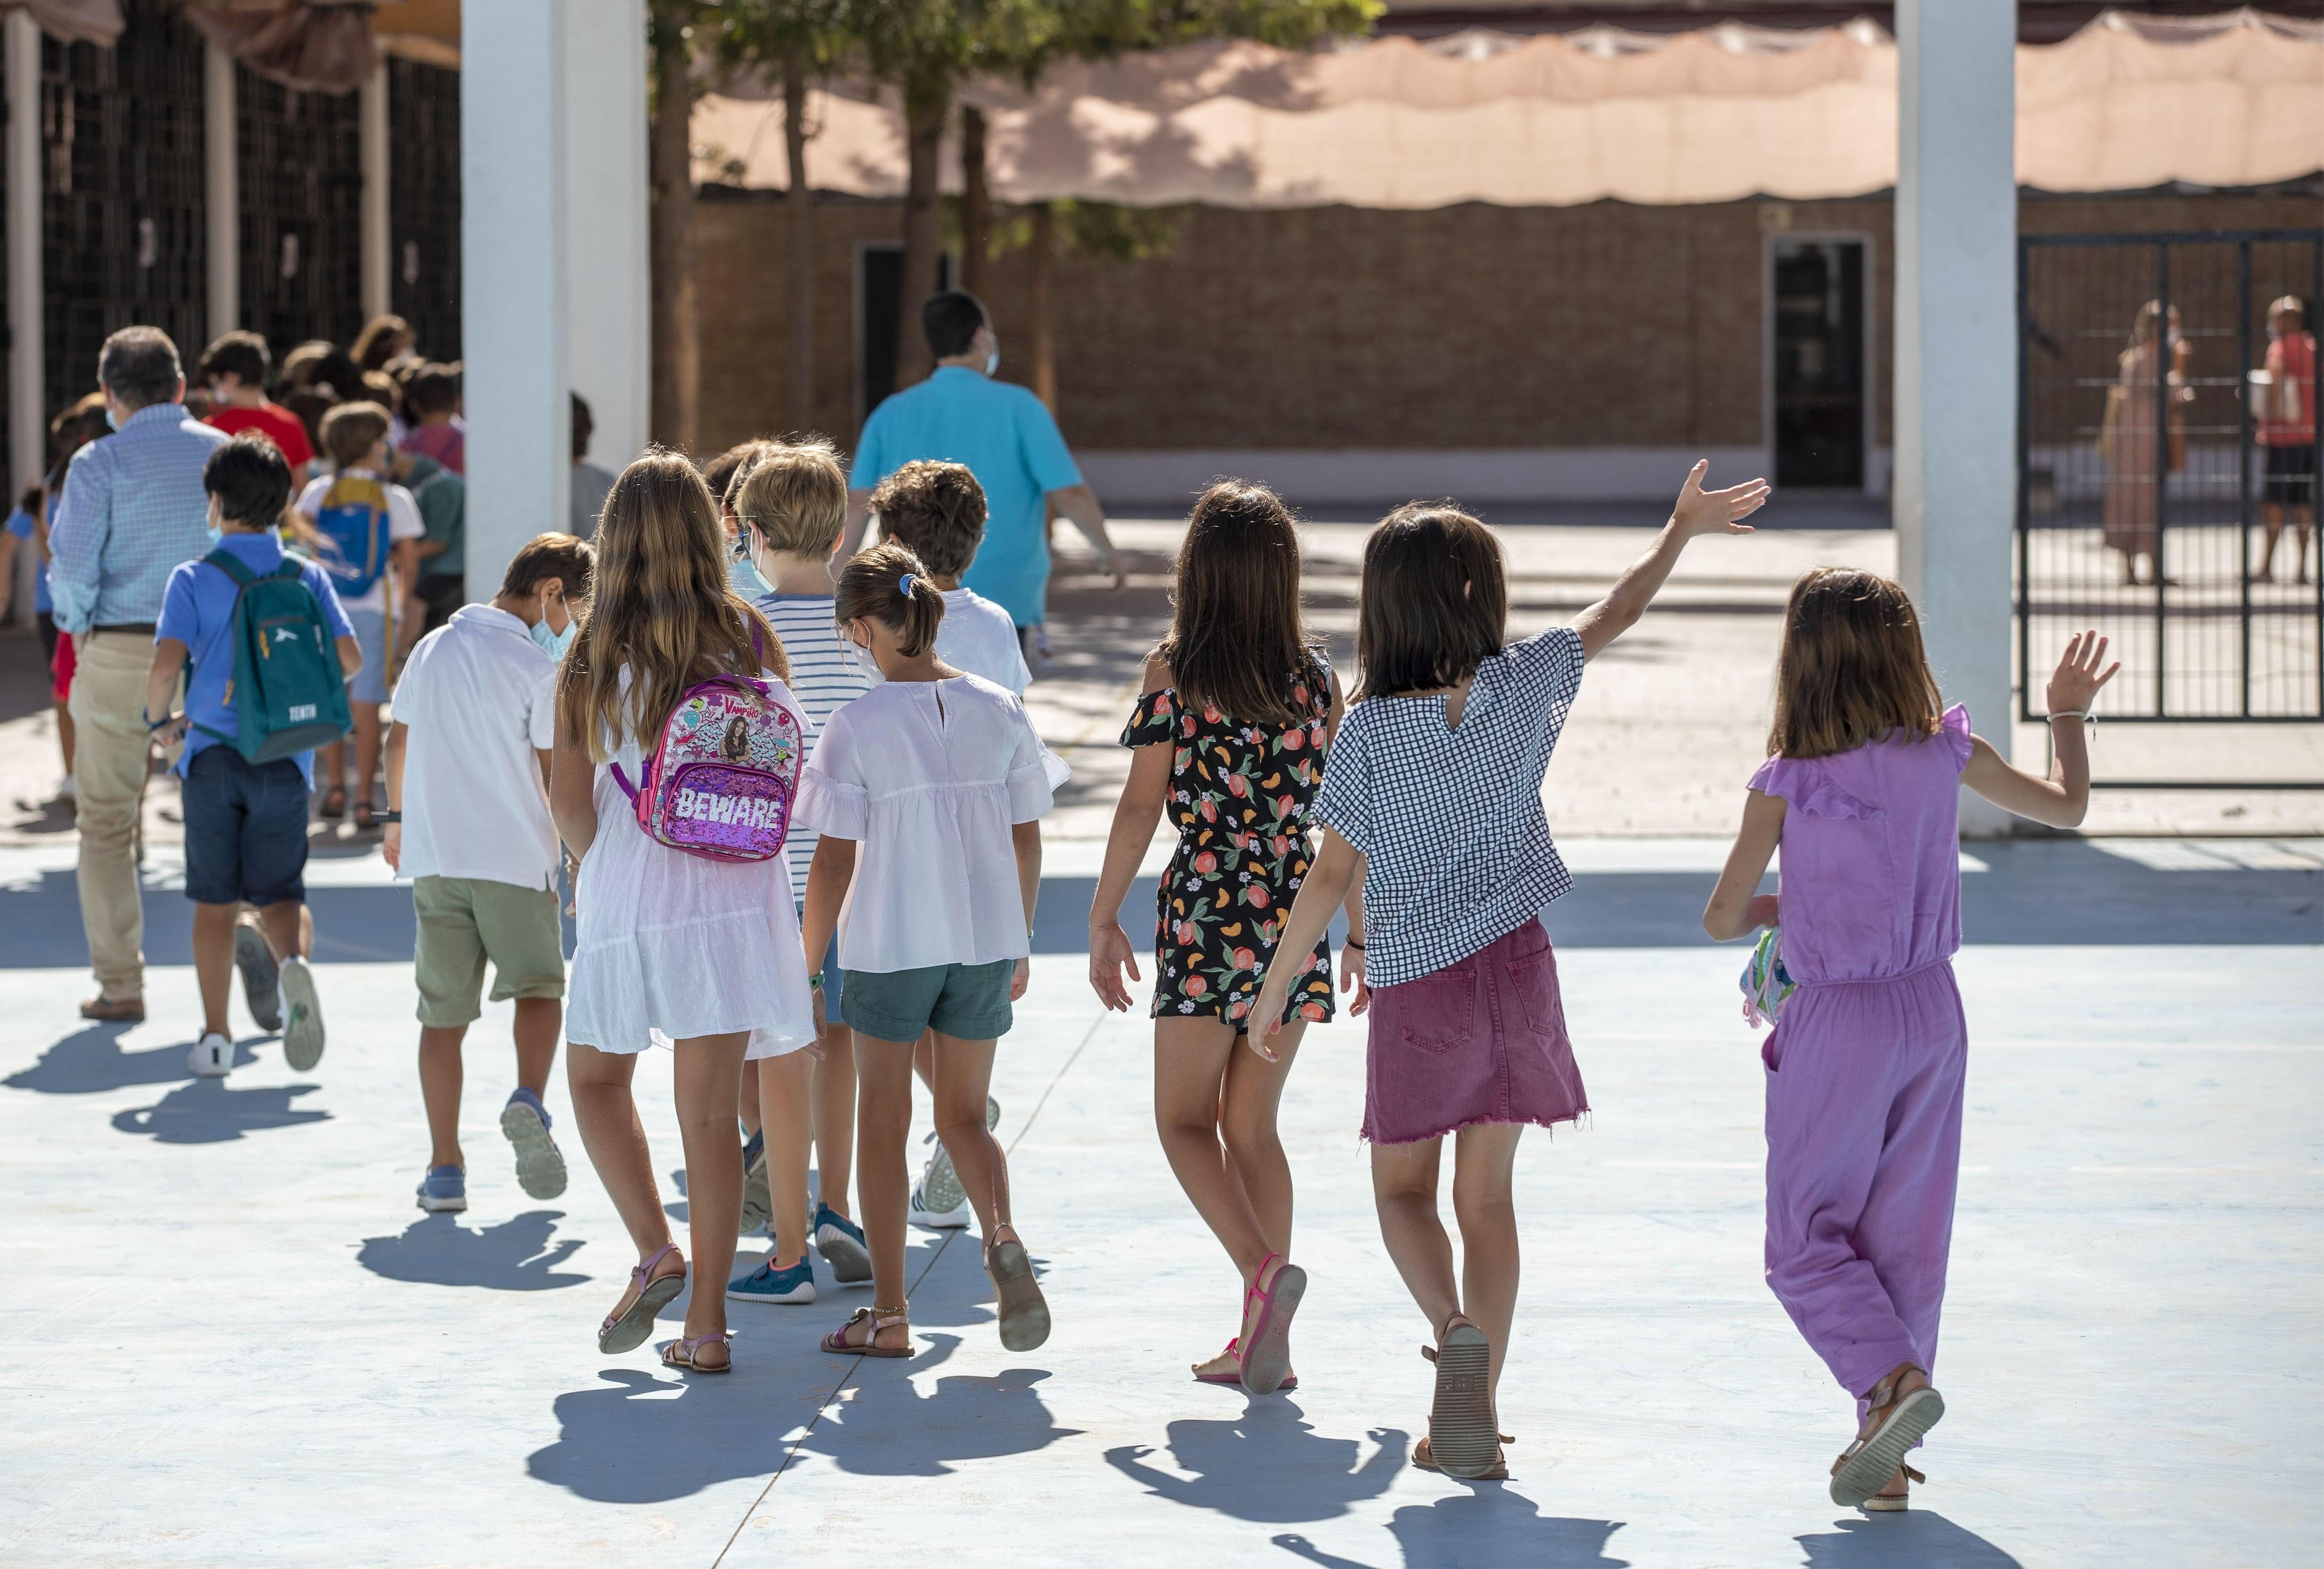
x,y
904,584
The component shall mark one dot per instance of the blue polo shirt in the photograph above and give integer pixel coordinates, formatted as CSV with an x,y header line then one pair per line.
x,y
197,610
1007,439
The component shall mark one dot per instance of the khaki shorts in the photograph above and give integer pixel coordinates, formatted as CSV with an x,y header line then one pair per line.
x,y
462,922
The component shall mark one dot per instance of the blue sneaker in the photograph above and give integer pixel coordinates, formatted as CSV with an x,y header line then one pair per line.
x,y
840,1241
794,1286
445,1191
539,1164
758,1203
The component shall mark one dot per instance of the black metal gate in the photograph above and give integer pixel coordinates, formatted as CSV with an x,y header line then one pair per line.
x,y
2156,466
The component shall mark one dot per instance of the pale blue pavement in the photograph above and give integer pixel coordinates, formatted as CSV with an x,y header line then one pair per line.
x,y
236,1342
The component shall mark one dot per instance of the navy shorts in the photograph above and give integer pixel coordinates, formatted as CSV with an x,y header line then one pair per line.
x,y
245,829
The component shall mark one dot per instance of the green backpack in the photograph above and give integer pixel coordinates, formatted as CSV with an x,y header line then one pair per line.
x,y
287,692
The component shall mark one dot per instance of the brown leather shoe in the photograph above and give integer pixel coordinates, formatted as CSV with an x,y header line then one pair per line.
x,y
109,1011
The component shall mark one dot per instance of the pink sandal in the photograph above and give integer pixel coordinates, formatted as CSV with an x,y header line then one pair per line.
x,y
626,1328
1290,1379
1266,1339
681,1354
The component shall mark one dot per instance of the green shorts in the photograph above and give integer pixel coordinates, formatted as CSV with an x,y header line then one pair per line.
x,y
966,1002
462,922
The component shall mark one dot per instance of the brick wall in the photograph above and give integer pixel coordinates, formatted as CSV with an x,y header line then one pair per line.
x,y
1469,327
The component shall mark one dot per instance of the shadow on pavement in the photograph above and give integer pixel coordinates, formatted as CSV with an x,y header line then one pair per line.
x,y
515,1255
1267,1465
639,1437
884,1425
1924,1540
207,1111
90,1061
1491,1524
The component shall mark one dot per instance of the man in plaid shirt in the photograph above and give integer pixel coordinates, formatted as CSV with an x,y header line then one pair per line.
x,y
133,509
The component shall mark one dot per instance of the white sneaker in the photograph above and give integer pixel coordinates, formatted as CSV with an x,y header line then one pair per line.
x,y
212,1057
944,1220
302,1015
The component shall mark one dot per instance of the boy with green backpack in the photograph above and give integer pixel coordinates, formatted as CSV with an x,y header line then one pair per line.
x,y
270,650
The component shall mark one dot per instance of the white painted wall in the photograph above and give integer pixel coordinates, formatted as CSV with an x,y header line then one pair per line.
x,y
371,123
27,371
1953,490
513,314
221,200
607,281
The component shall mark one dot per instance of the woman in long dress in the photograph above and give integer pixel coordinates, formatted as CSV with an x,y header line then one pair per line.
x,y
2128,440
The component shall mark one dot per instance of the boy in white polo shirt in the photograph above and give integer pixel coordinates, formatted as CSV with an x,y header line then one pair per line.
x,y
468,826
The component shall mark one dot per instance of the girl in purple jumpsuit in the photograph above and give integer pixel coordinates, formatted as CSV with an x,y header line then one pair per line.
x,y
1862,788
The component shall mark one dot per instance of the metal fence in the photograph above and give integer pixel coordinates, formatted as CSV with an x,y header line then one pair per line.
x,y
423,106
2155,471
299,165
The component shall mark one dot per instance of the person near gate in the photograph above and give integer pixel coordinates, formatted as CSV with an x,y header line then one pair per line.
x,y
2287,434
1007,439
133,511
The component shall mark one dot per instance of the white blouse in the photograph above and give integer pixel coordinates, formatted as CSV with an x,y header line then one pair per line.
x,y
929,777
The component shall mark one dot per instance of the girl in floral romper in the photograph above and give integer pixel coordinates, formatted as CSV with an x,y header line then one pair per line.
x,y
1230,736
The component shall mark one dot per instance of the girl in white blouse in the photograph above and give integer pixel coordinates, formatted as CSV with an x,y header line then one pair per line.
x,y
927,791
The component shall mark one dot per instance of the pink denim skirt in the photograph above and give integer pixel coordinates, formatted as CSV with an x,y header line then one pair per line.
x,y
1480,1040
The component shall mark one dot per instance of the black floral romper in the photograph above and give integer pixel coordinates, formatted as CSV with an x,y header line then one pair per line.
x,y
1239,794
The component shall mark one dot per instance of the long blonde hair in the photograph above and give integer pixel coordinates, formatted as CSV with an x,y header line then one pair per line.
x,y
661,606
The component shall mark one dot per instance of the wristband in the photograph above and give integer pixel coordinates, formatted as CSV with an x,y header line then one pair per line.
x,y
387,816
1351,943
151,723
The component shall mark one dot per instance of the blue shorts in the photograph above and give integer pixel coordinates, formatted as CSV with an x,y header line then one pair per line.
x,y
370,683
245,829
966,1002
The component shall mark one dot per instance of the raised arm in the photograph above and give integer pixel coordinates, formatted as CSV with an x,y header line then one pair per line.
x,y
1697,511
2063,799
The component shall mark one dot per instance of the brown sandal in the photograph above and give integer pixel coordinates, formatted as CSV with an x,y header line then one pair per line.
x,y
1884,1503
1423,1460
879,1318
1024,1312
1461,1418
1866,1466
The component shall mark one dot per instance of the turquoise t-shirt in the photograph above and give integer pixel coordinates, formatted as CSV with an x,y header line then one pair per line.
x,y
1007,439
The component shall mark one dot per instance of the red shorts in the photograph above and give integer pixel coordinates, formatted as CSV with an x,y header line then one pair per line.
x,y
60,668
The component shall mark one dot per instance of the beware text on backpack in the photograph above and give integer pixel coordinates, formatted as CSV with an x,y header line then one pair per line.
x,y
721,781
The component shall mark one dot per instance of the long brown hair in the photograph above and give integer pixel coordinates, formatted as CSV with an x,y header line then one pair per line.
x,y
1236,642
1435,604
1852,670
661,606
873,586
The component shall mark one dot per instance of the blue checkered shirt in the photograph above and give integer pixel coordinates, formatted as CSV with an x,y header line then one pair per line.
x,y
1456,847
133,509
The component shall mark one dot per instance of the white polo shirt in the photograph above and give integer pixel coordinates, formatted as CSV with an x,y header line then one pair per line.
x,y
479,698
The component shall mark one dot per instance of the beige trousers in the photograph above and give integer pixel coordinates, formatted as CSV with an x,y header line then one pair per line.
x,y
109,766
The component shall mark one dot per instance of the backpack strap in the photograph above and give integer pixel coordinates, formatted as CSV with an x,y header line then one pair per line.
x,y
226,561
622,779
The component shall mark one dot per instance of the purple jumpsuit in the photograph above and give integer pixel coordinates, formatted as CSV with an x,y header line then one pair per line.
x,y
1864,1073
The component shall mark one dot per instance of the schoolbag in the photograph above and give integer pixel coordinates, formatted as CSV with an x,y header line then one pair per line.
x,y
352,521
287,692
720,783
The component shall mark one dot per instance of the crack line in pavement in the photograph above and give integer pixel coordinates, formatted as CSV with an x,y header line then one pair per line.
x,y
855,1367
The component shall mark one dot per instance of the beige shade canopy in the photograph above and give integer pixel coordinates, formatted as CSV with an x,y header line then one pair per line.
x,y
1554,120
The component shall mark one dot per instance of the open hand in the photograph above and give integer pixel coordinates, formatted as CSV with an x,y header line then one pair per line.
x,y
1716,512
390,846
1114,568
1018,979
2077,678
1110,955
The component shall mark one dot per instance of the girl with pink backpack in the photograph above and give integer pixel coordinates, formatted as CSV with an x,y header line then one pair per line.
x,y
677,757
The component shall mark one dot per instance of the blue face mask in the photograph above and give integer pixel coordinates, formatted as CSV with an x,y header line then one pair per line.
x,y
554,643
216,534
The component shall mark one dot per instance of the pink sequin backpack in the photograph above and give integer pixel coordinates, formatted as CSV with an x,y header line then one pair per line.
x,y
721,781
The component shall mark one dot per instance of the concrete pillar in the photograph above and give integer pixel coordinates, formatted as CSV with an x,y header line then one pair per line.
x,y
27,397
607,299
371,134
512,312
1956,397
221,198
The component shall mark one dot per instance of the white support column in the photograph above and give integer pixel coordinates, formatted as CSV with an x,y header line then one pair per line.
x,y
1956,359
370,113
221,195
27,357
607,299
512,278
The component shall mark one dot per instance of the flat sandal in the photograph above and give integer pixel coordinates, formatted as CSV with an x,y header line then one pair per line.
x,y
1885,1503
1865,1466
879,1318
626,1328
682,1353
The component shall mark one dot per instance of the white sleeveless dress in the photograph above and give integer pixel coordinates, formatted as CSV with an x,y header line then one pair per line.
x,y
672,946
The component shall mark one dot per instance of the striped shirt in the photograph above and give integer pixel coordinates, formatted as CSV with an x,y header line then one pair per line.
x,y
824,673
133,511
1449,819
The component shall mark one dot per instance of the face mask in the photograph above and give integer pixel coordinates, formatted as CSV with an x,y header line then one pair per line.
x,y
215,533
110,422
553,643
864,659
993,360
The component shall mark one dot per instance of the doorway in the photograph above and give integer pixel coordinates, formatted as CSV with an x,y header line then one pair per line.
x,y
879,329
1818,362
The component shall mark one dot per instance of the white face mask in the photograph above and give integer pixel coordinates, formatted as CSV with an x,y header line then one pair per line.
x,y
864,659
992,353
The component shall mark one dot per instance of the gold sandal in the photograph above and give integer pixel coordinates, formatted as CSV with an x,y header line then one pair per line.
x,y
879,1318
